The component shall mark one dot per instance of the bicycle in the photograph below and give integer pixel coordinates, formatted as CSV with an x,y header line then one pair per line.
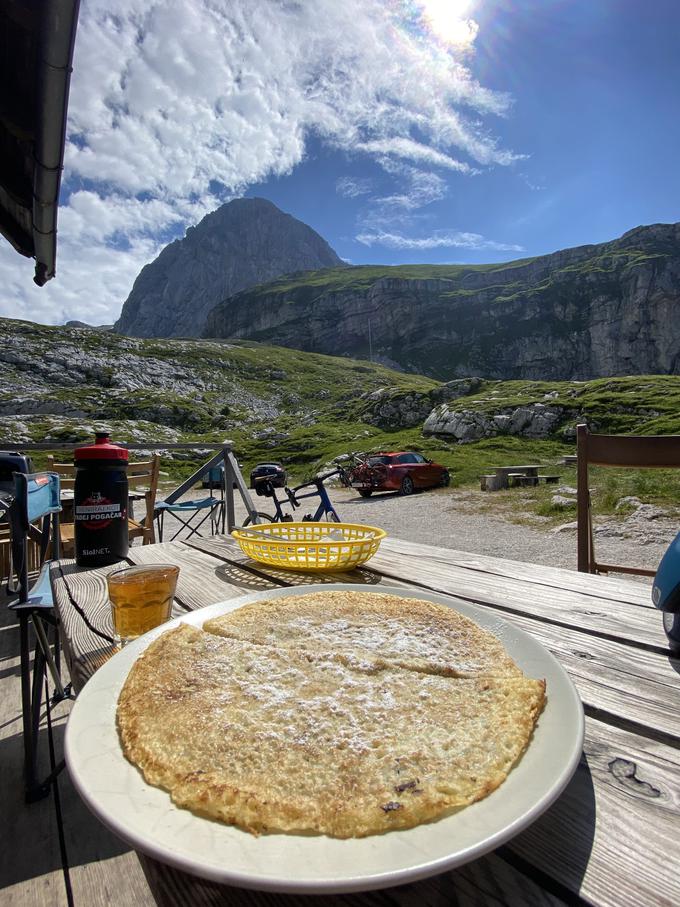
x,y
325,510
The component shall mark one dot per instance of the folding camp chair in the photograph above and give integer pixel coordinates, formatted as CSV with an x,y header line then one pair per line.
x,y
34,514
190,515
193,514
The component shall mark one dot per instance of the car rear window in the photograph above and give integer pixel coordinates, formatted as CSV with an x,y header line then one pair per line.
x,y
378,461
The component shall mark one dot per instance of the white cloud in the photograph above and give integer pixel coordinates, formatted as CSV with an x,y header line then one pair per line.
x,y
419,188
353,187
438,240
169,97
414,151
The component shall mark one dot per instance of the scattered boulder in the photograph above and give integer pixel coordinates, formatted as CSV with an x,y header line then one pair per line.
x,y
647,512
566,527
532,421
628,502
559,500
452,390
387,408
270,434
463,425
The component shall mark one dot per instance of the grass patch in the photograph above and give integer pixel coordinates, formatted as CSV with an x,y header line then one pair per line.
x,y
206,391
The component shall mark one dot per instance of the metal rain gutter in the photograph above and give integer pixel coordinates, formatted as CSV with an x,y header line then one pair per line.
x,y
57,40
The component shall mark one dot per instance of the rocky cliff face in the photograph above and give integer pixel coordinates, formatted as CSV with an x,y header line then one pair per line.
x,y
245,242
592,311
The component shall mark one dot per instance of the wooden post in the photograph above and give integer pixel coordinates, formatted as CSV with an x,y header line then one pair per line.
x,y
243,489
583,544
229,479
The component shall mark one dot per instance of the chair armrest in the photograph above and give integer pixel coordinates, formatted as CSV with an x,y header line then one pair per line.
x,y
40,593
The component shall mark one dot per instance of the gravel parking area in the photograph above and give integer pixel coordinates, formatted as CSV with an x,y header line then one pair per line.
x,y
453,518
459,519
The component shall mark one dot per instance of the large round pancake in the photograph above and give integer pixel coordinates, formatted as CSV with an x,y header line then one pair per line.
x,y
372,626
271,739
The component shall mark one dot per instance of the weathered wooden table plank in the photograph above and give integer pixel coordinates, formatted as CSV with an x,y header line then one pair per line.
x,y
633,618
491,881
200,581
609,587
85,617
619,818
643,688
641,626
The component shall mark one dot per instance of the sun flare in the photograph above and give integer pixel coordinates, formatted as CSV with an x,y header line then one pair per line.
x,y
448,20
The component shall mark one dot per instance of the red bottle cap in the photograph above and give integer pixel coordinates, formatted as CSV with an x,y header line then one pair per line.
x,y
102,449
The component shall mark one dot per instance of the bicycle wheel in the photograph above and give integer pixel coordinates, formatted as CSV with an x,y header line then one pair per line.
x,y
263,516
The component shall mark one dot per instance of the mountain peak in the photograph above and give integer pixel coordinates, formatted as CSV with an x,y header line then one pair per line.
x,y
244,242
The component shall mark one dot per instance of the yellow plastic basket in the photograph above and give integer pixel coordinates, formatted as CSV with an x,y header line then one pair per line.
x,y
310,546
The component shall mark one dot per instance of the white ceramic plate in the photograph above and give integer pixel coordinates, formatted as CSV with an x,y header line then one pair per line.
x,y
145,816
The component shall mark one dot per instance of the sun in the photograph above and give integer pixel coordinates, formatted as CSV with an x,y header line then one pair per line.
x,y
449,21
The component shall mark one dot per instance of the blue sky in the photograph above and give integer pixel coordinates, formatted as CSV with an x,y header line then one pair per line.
x,y
596,111
401,130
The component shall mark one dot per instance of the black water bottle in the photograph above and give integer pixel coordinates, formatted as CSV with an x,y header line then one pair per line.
x,y
100,502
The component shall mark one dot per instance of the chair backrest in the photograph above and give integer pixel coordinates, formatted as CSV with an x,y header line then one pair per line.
x,y
635,451
34,515
143,476
65,471
36,495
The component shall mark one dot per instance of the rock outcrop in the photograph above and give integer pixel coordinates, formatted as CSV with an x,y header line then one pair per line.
x,y
533,421
246,242
592,311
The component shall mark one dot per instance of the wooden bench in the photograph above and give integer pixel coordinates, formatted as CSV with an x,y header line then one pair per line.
x,y
526,481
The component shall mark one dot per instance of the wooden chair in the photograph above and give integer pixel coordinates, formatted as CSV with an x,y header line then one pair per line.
x,y
142,482
67,480
636,451
144,476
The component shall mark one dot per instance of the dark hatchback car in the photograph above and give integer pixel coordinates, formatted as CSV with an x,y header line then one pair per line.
x,y
403,471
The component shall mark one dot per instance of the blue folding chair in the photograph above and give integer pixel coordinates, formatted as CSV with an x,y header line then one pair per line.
x,y
192,514
34,515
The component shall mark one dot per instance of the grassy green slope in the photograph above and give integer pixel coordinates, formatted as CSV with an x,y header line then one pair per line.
x,y
300,408
599,260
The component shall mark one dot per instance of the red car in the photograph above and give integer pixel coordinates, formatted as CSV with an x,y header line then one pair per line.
x,y
403,471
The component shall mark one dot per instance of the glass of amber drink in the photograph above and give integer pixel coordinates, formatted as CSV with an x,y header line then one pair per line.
x,y
141,599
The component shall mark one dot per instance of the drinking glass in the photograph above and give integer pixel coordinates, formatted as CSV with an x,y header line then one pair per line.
x,y
141,599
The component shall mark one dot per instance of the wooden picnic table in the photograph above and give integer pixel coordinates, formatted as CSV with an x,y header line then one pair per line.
x,y
530,470
612,836
523,475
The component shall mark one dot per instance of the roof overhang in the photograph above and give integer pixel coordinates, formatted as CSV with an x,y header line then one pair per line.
x,y
36,51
